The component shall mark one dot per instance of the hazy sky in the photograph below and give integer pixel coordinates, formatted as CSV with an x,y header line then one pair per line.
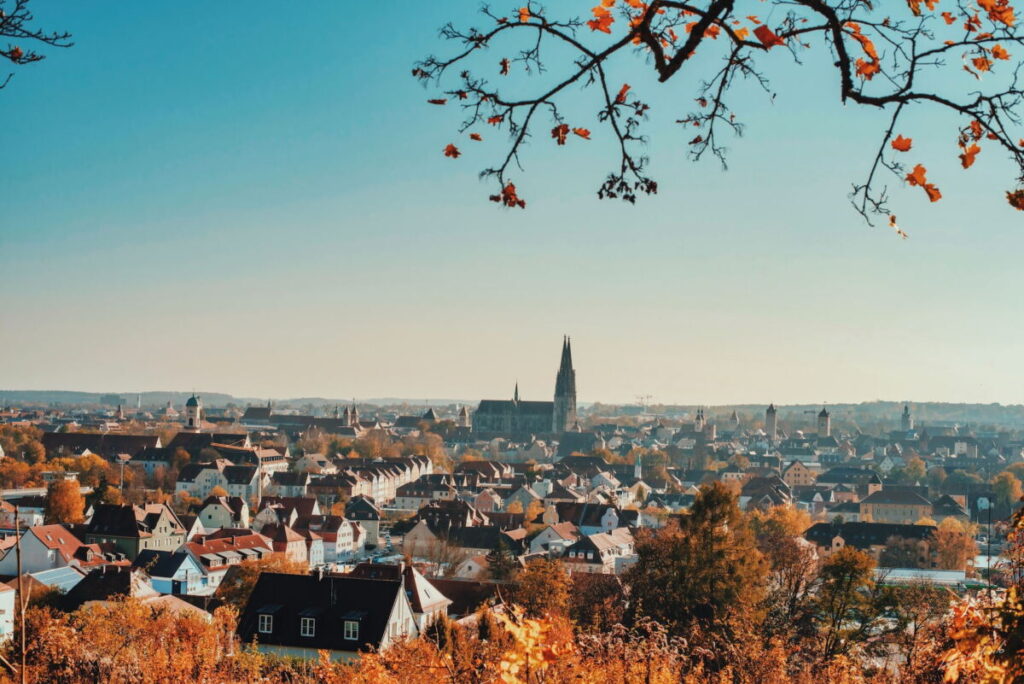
x,y
251,198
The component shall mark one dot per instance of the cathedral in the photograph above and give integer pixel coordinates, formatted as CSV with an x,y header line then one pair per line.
x,y
520,419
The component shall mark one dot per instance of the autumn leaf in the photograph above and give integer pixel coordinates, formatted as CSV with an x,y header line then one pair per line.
x,y
767,37
742,33
602,20
902,144
582,132
933,192
917,176
524,15
621,97
753,18
15,53
982,63
892,224
976,129
1016,199
495,120
559,133
696,141
438,101
967,158
948,18
999,52
475,136
452,151
504,66
462,95
508,197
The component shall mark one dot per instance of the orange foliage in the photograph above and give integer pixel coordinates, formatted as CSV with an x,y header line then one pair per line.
x,y
559,133
621,97
902,144
508,197
767,37
917,177
967,158
451,151
582,132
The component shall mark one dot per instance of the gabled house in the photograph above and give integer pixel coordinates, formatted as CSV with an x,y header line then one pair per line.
x,y
133,529
299,616
427,602
223,511
173,572
554,539
218,552
45,547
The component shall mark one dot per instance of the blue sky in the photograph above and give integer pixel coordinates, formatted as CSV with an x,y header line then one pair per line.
x,y
252,199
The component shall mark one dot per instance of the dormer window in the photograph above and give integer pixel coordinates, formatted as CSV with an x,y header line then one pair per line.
x,y
307,626
266,625
351,630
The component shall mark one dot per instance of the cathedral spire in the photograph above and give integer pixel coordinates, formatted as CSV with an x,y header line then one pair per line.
x,y
565,391
515,395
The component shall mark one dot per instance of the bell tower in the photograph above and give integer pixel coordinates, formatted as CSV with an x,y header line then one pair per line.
x,y
564,411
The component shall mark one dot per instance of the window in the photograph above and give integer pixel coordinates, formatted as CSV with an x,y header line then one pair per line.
x,y
307,626
266,624
351,629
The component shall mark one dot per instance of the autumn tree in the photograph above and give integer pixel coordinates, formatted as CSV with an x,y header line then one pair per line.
x,y
542,588
954,544
1007,488
845,601
886,57
64,502
704,573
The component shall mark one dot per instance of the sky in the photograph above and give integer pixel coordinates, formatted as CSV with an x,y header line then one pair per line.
x,y
252,199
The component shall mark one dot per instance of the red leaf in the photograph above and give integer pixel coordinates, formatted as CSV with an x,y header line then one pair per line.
x,y
767,37
452,151
621,97
438,101
902,144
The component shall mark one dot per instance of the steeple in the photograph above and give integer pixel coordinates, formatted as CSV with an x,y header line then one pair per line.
x,y
515,395
565,391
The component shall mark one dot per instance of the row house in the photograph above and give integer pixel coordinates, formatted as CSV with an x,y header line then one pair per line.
x,y
133,529
199,479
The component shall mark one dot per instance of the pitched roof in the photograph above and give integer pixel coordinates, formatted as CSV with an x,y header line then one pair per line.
x,y
863,535
901,497
330,600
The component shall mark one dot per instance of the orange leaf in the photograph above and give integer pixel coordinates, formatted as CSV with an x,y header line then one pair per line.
x,y
917,176
559,133
768,37
696,141
451,151
967,158
999,52
524,14
1016,199
602,20
475,136
948,18
742,33
976,129
982,63
438,101
495,120
582,132
753,18
509,198
902,144
933,192
621,97
462,94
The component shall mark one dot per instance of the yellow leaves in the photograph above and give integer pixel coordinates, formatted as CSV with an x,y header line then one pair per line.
x,y
767,37
451,151
536,644
742,33
621,97
901,144
999,52
918,176
603,18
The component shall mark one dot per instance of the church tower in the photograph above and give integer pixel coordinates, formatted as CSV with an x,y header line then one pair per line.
x,y
193,412
824,423
771,422
564,412
906,421
463,417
